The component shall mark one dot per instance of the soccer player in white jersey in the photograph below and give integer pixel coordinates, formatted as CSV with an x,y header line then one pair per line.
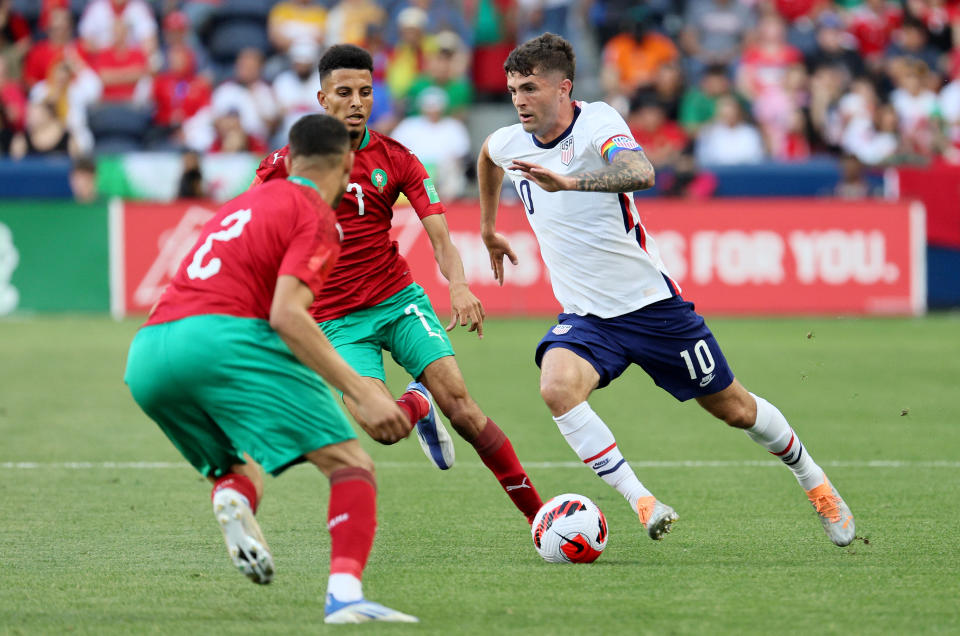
x,y
575,166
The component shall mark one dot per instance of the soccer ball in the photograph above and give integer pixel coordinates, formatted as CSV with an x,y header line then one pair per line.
x,y
569,529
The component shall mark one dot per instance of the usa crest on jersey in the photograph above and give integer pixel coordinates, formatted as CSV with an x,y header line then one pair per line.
x,y
566,151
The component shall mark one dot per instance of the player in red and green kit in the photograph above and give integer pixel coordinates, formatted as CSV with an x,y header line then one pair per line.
x,y
371,304
228,362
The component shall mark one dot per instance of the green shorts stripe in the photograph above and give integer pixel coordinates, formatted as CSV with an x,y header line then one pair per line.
x,y
405,324
219,386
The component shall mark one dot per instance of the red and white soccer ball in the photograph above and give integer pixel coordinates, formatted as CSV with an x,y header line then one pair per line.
x,y
569,529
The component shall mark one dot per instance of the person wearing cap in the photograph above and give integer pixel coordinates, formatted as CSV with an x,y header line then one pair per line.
x,y
411,51
296,89
446,68
178,34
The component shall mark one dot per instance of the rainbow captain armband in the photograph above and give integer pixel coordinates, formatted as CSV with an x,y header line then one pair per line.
x,y
616,144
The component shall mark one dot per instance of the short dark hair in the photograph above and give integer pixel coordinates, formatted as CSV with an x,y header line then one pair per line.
x,y
344,56
545,53
318,136
84,163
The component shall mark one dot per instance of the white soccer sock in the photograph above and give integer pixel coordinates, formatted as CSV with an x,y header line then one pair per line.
x,y
594,444
772,431
345,587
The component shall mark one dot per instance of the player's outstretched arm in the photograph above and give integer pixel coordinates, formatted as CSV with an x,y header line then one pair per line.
x,y
465,307
290,318
490,178
628,172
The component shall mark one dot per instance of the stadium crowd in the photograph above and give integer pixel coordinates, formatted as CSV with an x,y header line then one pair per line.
x,y
700,82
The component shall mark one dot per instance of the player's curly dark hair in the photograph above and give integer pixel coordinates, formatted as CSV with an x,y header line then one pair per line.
x,y
545,53
319,136
344,56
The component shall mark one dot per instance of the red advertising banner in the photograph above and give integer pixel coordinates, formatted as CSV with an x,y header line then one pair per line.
x,y
938,187
734,256
148,241
744,256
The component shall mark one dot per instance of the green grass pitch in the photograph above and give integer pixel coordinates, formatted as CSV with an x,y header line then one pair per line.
x,y
87,547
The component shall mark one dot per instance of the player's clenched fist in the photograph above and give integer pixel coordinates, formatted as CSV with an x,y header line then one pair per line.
x,y
381,418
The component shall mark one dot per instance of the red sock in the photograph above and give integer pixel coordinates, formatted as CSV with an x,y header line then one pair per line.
x,y
414,405
351,519
241,484
497,453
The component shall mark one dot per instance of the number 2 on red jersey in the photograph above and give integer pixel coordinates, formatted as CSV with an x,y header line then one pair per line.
x,y
234,224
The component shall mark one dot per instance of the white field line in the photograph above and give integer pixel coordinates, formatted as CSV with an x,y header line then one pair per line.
x,y
691,463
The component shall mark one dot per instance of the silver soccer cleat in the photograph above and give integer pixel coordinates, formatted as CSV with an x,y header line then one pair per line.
x,y
244,539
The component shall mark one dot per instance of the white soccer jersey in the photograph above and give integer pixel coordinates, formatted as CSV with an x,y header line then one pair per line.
x,y
601,259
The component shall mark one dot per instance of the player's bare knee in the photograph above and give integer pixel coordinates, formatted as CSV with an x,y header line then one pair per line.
x,y
364,462
737,416
558,396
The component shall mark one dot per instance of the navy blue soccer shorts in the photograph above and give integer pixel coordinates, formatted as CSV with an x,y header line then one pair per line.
x,y
668,339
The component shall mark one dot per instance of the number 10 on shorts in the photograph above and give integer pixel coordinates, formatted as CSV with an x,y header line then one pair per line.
x,y
704,359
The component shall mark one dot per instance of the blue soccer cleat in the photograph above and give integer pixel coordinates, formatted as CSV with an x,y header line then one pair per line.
x,y
362,611
434,439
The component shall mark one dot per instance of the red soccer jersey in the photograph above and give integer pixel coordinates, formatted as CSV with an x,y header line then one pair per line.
x,y
370,268
873,31
112,59
276,229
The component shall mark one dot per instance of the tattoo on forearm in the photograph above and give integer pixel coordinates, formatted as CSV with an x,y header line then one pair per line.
x,y
630,171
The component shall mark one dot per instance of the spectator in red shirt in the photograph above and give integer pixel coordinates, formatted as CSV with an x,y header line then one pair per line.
x,y
43,55
123,69
662,140
873,24
765,62
793,144
47,9
179,93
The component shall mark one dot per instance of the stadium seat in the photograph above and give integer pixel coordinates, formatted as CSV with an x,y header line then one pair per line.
x,y
116,145
227,39
118,125
30,10
77,7
253,10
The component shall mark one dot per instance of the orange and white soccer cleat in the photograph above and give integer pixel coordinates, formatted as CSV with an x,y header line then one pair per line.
x,y
656,516
834,513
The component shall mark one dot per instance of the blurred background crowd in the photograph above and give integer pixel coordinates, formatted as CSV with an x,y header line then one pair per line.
x,y
701,83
